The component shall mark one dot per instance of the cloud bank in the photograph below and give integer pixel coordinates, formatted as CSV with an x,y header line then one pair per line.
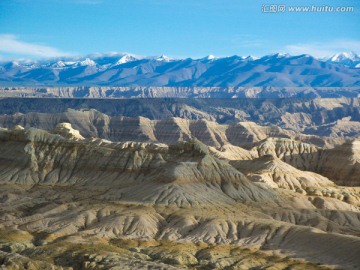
x,y
10,44
323,49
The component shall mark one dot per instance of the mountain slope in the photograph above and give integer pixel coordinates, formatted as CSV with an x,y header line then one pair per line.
x,y
127,70
276,173
340,164
149,172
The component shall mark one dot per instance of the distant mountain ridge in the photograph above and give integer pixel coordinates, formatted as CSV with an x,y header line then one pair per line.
x,y
345,58
278,70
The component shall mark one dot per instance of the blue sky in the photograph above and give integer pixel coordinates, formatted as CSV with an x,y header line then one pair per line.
x,y
186,28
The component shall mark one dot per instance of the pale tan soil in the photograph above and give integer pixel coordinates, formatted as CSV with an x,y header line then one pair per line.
x,y
93,204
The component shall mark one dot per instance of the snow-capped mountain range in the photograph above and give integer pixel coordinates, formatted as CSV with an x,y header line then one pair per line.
x,y
346,58
122,69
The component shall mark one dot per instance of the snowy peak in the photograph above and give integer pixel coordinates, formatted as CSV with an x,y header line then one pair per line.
x,y
125,59
14,64
58,64
271,70
274,57
87,62
164,58
280,55
345,58
210,57
251,58
339,57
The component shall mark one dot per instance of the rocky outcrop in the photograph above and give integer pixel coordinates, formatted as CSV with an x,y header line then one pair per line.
x,y
66,130
303,156
246,133
276,173
342,163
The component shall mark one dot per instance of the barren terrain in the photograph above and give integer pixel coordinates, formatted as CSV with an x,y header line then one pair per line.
x,y
68,201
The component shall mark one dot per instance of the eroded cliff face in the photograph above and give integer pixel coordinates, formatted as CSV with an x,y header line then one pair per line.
x,y
153,171
304,156
342,163
276,173
170,206
269,92
323,122
119,128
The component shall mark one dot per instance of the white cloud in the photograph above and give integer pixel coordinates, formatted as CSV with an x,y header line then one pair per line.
x,y
12,45
248,41
322,49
